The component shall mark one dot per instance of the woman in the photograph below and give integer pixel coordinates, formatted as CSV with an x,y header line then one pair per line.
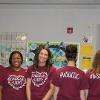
x,y
1,79
94,78
13,85
70,81
1,72
40,75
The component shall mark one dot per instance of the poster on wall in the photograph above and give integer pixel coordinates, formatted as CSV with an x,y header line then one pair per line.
x,y
86,50
86,62
57,49
10,41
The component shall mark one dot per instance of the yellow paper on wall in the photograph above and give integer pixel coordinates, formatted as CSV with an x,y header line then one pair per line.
x,y
86,62
86,50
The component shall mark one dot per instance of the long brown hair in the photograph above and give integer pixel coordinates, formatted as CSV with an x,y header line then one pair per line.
x,y
96,62
36,60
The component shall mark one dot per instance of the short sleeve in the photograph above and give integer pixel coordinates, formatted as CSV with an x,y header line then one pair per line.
x,y
2,75
52,73
29,71
56,80
84,82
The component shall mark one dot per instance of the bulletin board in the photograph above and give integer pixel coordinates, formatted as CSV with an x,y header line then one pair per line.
x,y
10,41
57,49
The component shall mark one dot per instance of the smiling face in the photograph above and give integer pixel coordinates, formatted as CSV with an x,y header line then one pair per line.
x,y
42,57
16,60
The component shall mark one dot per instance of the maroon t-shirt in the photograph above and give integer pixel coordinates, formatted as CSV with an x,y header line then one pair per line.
x,y
94,85
40,81
14,84
70,80
1,73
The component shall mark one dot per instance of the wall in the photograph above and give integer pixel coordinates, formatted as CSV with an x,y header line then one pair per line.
x,y
98,38
49,24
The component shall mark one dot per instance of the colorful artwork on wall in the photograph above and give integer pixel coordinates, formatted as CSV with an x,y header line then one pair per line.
x,y
10,41
57,49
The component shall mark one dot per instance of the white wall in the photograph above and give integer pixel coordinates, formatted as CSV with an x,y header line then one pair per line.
x,y
98,38
49,24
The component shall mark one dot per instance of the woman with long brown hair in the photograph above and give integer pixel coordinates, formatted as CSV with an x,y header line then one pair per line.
x,y
40,75
94,78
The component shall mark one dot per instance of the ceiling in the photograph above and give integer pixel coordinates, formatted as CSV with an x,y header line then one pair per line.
x,y
52,2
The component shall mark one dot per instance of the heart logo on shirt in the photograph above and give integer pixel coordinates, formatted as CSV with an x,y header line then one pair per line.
x,y
39,78
16,81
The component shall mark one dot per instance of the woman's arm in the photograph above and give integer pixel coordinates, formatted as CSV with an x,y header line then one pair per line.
x,y
86,93
28,89
56,92
50,93
83,94
0,92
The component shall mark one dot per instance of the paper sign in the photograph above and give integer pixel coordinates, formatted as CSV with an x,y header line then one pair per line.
x,y
86,50
86,62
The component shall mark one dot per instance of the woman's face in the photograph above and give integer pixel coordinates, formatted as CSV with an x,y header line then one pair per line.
x,y
16,60
43,56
